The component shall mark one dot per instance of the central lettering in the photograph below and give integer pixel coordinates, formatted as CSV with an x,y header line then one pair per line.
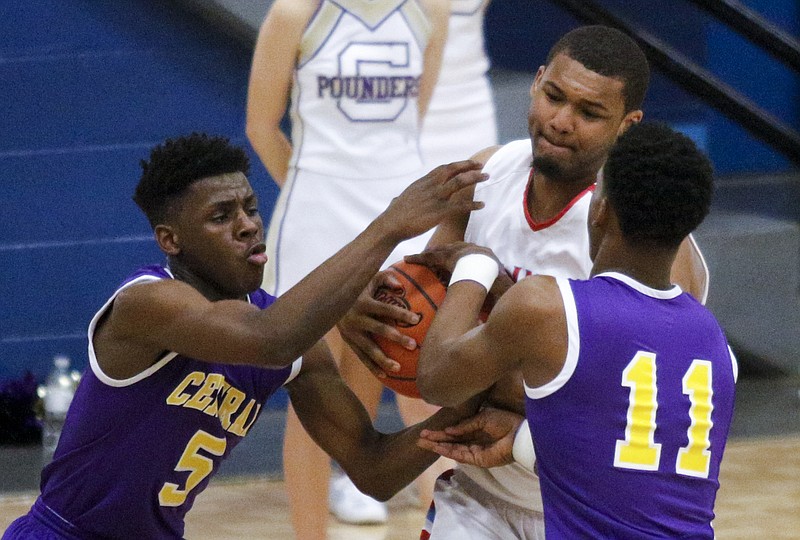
x,y
367,89
214,396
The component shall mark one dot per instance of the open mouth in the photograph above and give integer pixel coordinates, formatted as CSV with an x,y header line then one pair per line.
x,y
257,254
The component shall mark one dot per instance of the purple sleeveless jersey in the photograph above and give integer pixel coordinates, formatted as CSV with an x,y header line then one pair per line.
x,y
629,438
133,457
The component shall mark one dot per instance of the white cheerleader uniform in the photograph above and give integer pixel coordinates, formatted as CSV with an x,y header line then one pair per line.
x,y
355,132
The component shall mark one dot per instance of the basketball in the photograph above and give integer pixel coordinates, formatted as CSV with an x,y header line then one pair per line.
x,y
421,292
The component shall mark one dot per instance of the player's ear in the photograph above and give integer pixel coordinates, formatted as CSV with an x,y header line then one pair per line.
x,y
599,213
167,239
633,117
536,79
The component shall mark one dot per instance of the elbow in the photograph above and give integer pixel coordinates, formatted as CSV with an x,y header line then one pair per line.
x,y
434,392
272,352
375,487
439,386
251,131
428,383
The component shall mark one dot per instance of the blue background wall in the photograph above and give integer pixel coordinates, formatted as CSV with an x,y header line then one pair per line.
x,y
88,87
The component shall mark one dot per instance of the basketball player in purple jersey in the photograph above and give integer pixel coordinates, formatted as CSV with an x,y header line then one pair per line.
x,y
629,381
177,354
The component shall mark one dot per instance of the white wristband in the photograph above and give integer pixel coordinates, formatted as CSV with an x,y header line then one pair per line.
x,y
476,267
523,447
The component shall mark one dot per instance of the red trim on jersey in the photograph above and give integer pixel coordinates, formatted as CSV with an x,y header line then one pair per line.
x,y
543,225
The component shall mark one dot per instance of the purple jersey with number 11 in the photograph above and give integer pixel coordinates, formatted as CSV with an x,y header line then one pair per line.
x,y
135,453
630,435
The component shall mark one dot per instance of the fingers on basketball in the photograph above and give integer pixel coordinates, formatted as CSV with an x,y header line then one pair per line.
x,y
421,292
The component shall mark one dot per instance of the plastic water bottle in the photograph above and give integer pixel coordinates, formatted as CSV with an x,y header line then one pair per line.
x,y
59,389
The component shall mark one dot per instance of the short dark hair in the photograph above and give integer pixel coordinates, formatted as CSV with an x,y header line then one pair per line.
x,y
610,53
658,183
177,163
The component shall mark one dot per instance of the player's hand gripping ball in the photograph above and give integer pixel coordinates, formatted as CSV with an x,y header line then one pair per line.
x,y
422,292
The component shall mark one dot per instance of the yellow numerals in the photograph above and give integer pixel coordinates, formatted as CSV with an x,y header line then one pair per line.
x,y
639,450
694,458
198,465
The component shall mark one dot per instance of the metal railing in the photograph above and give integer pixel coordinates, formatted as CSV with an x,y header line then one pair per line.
x,y
756,28
701,82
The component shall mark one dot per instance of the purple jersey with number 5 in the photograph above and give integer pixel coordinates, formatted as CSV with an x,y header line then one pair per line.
x,y
135,453
630,435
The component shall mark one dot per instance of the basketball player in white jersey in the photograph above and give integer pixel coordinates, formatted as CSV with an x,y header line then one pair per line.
x,y
537,199
461,116
357,76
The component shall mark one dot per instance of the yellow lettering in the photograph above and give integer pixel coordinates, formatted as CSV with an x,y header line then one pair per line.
x,y
177,397
233,399
213,407
240,425
204,396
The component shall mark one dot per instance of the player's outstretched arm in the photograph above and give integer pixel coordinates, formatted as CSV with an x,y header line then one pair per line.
x,y
369,317
379,464
172,315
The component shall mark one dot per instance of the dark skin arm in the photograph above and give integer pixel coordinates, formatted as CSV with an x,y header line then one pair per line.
x,y
379,464
526,331
484,440
148,319
370,317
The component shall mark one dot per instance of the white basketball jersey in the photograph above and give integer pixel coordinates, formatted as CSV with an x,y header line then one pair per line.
x,y
354,99
559,247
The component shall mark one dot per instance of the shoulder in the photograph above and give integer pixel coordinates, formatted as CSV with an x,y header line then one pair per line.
x,y
437,10
530,318
506,165
484,155
286,15
513,156
148,292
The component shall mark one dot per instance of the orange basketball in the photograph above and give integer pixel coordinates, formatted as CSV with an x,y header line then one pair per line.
x,y
422,292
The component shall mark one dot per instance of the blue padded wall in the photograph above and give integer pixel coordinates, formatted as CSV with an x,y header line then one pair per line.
x,y
88,88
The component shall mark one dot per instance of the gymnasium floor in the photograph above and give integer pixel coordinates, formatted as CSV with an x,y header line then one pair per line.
x,y
759,497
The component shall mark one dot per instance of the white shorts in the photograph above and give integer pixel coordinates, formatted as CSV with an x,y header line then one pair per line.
x,y
460,509
459,122
316,215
